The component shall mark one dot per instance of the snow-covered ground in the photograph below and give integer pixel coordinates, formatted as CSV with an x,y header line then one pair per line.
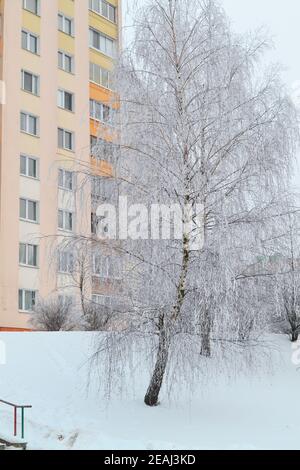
x,y
49,371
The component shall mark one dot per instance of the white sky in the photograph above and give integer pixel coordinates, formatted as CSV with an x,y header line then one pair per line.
x,y
281,18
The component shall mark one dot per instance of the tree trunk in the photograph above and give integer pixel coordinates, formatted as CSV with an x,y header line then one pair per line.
x,y
151,397
81,288
294,336
205,335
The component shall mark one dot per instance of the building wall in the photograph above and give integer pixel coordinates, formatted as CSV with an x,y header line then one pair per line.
x,y
44,279
10,151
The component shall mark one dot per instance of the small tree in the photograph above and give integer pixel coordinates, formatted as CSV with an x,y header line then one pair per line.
x,y
290,314
96,317
53,314
287,282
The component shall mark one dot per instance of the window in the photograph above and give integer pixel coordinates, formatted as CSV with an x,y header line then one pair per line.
x,y
65,100
65,301
30,82
65,179
102,188
28,254
105,266
30,42
32,5
101,149
65,139
28,210
93,144
65,220
65,262
104,8
29,124
97,189
65,24
98,226
94,223
65,62
99,75
101,42
101,112
27,300
28,166
103,300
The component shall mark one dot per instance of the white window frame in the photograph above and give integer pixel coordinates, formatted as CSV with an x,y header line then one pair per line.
x,y
37,9
29,157
109,266
104,271
99,10
22,308
64,20
29,34
65,213
101,71
64,55
63,186
93,114
64,139
104,274
28,116
35,78
68,262
62,93
26,219
27,264
105,38
96,300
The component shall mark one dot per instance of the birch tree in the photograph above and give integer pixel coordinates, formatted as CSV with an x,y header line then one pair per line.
x,y
204,128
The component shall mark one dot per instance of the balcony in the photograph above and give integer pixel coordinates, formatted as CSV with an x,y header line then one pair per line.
x,y
101,167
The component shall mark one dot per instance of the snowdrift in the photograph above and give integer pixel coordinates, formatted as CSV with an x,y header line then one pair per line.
x,y
50,372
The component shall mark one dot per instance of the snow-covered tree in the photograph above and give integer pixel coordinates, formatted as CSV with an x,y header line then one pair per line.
x,y
286,283
53,314
204,128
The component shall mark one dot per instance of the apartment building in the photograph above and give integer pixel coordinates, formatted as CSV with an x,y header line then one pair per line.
x,y
57,57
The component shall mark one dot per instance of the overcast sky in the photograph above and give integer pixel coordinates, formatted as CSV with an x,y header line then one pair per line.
x,y
280,17
282,20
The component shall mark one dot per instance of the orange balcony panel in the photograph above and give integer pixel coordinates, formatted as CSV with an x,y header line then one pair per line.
x,y
97,129
99,93
101,168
